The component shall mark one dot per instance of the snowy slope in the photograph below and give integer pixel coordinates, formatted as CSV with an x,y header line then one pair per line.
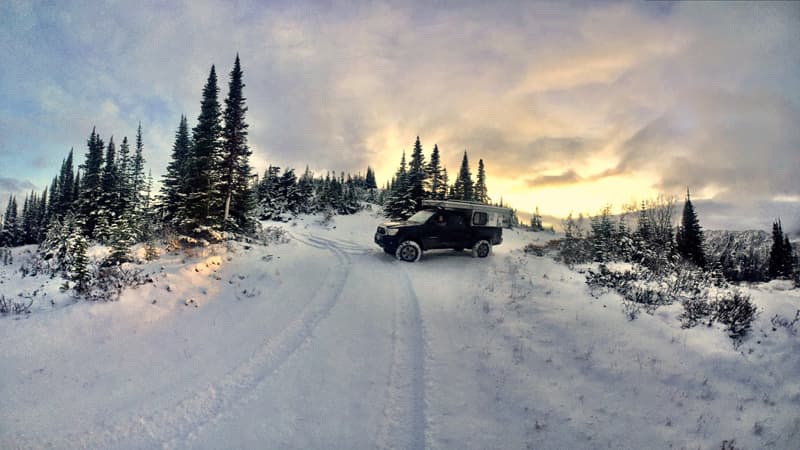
x,y
326,342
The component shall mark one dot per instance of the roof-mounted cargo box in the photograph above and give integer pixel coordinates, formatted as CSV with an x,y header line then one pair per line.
x,y
481,213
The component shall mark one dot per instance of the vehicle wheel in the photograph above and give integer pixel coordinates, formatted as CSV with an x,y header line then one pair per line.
x,y
408,251
481,249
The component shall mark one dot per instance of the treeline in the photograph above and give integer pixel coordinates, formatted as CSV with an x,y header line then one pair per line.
x,y
284,193
103,199
646,236
418,180
209,187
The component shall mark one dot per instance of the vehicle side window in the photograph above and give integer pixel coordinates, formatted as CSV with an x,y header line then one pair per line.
x,y
480,218
456,222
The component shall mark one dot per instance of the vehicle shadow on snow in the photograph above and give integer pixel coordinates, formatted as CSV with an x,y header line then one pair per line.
x,y
429,256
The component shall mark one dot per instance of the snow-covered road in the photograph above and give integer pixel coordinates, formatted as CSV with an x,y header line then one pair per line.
x,y
326,342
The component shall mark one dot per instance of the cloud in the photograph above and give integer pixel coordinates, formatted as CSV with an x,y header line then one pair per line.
x,y
568,177
548,94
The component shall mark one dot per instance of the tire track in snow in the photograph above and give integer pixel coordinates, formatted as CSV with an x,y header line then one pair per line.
x,y
404,422
176,426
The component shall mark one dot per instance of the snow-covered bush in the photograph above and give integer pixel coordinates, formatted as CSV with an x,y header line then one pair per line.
x,y
9,306
273,235
736,310
110,282
791,325
695,309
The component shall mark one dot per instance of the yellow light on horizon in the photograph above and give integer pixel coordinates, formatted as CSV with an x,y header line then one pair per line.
x,y
586,197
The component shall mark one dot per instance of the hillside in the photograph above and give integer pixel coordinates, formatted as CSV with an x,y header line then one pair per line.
x,y
320,340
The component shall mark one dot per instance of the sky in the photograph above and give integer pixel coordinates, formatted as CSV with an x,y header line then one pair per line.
x,y
571,105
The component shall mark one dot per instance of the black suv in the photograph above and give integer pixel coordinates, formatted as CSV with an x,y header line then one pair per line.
x,y
445,224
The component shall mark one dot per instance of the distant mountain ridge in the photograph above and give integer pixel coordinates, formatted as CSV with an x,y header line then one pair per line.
x,y
744,255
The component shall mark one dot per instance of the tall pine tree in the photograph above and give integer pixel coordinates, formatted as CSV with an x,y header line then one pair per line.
x,y
91,183
690,236
437,183
463,187
417,175
202,202
781,255
235,167
174,188
480,185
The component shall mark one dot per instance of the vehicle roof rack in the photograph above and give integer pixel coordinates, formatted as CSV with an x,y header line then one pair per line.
x,y
463,204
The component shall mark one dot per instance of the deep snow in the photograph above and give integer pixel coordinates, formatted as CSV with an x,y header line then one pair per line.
x,y
327,342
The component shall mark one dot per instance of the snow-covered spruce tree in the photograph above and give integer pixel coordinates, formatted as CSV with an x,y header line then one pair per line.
x,y
63,190
481,193
121,238
400,204
235,171
603,237
202,204
10,234
174,188
781,254
369,180
137,174
268,190
536,221
417,175
91,183
125,176
108,202
80,272
435,181
305,192
690,236
463,187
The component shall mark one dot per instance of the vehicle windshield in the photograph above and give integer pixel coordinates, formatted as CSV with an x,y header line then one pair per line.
x,y
421,216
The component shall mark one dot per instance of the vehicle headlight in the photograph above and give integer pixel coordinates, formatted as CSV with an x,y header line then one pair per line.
x,y
392,231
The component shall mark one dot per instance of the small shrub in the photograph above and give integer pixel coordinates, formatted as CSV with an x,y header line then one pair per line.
x,y
735,310
695,309
784,322
9,306
273,235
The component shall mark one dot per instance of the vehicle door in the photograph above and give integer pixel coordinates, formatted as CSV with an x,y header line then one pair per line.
x,y
435,231
456,233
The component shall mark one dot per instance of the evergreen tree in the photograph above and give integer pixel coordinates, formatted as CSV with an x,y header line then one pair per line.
x,y
53,204
137,173
9,236
174,189
481,194
91,184
235,166
369,181
417,175
66,180
463,187
108,203
202,202
690,236
79,268
536,221
438,181
400,204
125,177
789,260
781,255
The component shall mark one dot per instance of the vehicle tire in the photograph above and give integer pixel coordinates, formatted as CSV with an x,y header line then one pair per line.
x,y
481,249
408,251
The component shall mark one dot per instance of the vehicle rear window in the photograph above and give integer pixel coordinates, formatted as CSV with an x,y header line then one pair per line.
x,y
480,218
